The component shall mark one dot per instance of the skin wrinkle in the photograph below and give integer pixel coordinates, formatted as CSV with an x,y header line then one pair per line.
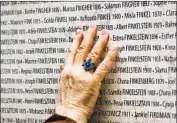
x,y
94,56
96,52
81,49
79,89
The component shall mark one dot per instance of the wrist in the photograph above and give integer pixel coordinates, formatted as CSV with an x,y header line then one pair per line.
x,y
74,114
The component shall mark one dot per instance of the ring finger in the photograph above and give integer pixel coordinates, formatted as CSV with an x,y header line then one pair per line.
x,y
97,50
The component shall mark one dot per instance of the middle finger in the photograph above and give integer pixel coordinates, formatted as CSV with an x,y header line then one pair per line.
x,y
85,45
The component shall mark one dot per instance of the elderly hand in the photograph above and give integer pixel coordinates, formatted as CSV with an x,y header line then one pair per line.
x,y
79,88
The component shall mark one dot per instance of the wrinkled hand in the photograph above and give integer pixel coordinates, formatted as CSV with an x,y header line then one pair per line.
x,y
79,89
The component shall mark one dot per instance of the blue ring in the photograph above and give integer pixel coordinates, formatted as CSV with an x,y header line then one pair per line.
x,y
88,64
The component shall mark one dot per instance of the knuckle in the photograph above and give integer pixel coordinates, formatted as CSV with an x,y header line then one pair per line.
x,y
65,73
94,54
79,56
71,54
103,66
82,48
111,58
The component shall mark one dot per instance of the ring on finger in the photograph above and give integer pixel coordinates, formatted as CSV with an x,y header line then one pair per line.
x,y
88,64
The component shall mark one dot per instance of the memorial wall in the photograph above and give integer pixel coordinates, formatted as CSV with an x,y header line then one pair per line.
x,y
35,37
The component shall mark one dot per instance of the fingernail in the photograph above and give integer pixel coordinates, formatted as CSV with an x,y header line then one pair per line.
x,y
61,67
78,31
69,50
103,32
92,25
114,49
